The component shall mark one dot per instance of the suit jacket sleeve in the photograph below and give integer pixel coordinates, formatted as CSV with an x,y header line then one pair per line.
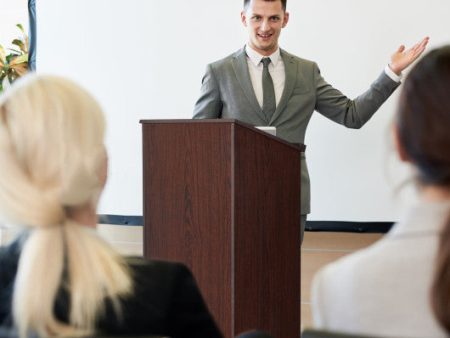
x,y
352,113
209,104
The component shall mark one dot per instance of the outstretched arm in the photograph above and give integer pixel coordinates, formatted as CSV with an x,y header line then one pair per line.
x,y
403,57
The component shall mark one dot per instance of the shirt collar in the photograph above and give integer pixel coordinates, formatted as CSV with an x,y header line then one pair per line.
x,y
423,217
256,58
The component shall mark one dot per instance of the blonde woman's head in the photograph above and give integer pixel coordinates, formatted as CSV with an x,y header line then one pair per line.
x,y
53,164
51,141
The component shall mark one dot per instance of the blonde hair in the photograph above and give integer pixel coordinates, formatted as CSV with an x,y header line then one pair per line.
x,y
51,153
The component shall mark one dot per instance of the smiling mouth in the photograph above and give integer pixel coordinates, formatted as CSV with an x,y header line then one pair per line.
x,y
264,36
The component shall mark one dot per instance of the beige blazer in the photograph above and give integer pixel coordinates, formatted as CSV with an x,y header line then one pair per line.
x,y
383,290
227,92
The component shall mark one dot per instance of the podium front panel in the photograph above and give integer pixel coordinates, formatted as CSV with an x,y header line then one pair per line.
x,y
187,205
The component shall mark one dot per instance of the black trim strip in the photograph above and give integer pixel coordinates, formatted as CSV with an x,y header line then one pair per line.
x,y
331,226
361,227
120,220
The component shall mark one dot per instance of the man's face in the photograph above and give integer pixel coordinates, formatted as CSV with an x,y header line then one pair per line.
x,y
264,21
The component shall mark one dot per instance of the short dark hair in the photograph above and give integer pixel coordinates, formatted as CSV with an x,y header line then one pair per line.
x,y
283,3
423,117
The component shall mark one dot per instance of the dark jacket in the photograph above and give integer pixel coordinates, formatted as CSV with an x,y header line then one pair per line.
x,y
166,300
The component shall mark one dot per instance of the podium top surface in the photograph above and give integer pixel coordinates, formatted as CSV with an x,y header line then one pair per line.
x,y
297,146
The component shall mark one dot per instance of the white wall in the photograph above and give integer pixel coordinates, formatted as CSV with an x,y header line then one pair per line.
x,y
144,59
12,13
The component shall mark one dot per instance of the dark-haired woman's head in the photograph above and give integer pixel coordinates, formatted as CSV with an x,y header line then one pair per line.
x,y
423,118
423,138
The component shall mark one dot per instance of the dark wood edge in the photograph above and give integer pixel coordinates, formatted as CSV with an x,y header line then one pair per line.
x,y
297,146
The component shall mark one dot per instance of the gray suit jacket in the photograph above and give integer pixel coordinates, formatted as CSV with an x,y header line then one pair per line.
x,y
227,92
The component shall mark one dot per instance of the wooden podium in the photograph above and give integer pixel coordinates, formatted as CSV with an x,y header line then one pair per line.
x,y
224,198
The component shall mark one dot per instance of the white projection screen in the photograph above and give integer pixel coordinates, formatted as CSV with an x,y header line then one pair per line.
x,y
144,59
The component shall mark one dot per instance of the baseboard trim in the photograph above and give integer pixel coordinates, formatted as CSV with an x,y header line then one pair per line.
x,y
331,226
342,226
121,220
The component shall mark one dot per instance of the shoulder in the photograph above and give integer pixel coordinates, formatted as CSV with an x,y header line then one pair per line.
x,y
296,59
166,292
360,267
227,61
156,285
158,275
165,282
335,285
140,264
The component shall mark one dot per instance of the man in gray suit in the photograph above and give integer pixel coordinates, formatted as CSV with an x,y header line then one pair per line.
x,y
264,85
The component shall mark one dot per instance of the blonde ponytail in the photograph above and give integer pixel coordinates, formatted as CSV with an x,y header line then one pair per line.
x,y
96,272
37,282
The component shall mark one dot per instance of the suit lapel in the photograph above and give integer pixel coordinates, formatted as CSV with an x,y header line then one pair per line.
x,y
290,69
240,68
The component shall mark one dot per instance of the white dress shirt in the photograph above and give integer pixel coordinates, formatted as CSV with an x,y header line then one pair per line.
x,y
276,70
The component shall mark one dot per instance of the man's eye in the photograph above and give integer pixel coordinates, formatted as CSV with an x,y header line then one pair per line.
x,y
256,18
275,18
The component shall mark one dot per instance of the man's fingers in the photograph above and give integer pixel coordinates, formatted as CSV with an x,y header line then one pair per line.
x,y
411,54
418,48
401,49
423,43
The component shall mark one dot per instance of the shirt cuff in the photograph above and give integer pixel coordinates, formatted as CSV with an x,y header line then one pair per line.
x,y
394,77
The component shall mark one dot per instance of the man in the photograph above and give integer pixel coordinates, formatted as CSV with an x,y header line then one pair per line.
x,y
264,85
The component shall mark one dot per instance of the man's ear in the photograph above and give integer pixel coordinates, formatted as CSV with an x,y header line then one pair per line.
x,y
286,19
398,145
244,18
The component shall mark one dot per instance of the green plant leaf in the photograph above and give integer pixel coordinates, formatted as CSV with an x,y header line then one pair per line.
x,y
19,59
20,44
21,28
9,57
14,64
24,39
